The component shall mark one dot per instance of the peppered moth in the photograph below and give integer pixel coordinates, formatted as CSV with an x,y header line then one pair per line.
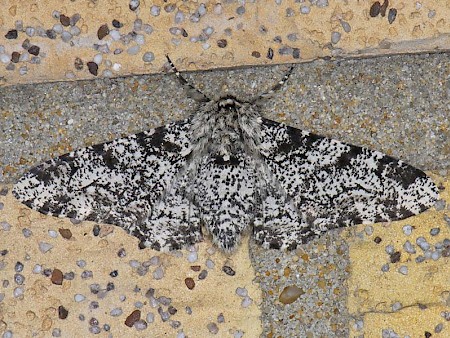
x,y
227,170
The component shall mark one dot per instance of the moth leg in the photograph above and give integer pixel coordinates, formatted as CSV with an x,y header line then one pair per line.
x,y
276,87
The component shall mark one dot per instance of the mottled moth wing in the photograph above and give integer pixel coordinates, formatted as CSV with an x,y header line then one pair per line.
x,y
119,182
330,184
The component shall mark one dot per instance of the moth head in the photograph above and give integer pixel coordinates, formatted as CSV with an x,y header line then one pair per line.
x,y
228,103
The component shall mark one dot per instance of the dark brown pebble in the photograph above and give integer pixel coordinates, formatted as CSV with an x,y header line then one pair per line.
x,y
296,53
93,68
195,268
62,312
133,318
270,54
377,240
427,334
12,34
57,277
384,7
3,252
189,283
102,31
65,233
78,64
228,270
65,20
117,24
222,43
395,257
34,50
392,15
375,9
15,57
256,54
184,33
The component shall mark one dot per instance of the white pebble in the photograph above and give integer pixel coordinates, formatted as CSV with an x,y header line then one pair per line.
x,y
150,317
148,57
116,67
210,264
218,9
403,270
45,247
305,9
53,233
116,312
4,58
58,28
98,59
155,10
37,268
192,257
147,29
115,34
407,230
140,39
246,302
158,273
241,292
18,291
79,297
5,226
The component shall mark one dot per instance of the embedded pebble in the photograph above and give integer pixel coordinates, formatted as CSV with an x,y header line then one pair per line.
x,y
209,264
192,257
213,328
140,325
45,247
403,270
116,312
369,230
158,273
203,274
18,291
62,312
134,5
102,31
335,37
18,267
93,68
19,279
241,292
57,277
79,298
392,15
37,268
220,318
147,29
137,25
396,306
385,267
134,50
5,226
407,229
247,301
133,318
150,317
179,17
155,10
290,294
228,270
409,247
190,283
440,204
422,243
30,31
435,231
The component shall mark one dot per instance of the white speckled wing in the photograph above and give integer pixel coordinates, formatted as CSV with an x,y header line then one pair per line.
x,y
333,184
119,182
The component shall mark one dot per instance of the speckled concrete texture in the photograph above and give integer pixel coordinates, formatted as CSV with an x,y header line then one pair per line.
x,y
65,40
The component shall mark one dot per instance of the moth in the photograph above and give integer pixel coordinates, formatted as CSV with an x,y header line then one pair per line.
x,y
225,171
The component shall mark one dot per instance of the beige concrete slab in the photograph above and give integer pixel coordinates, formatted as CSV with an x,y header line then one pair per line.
x,y
412,297
34,309
51,45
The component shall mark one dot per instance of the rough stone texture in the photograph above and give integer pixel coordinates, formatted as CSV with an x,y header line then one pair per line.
x,y
204,35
